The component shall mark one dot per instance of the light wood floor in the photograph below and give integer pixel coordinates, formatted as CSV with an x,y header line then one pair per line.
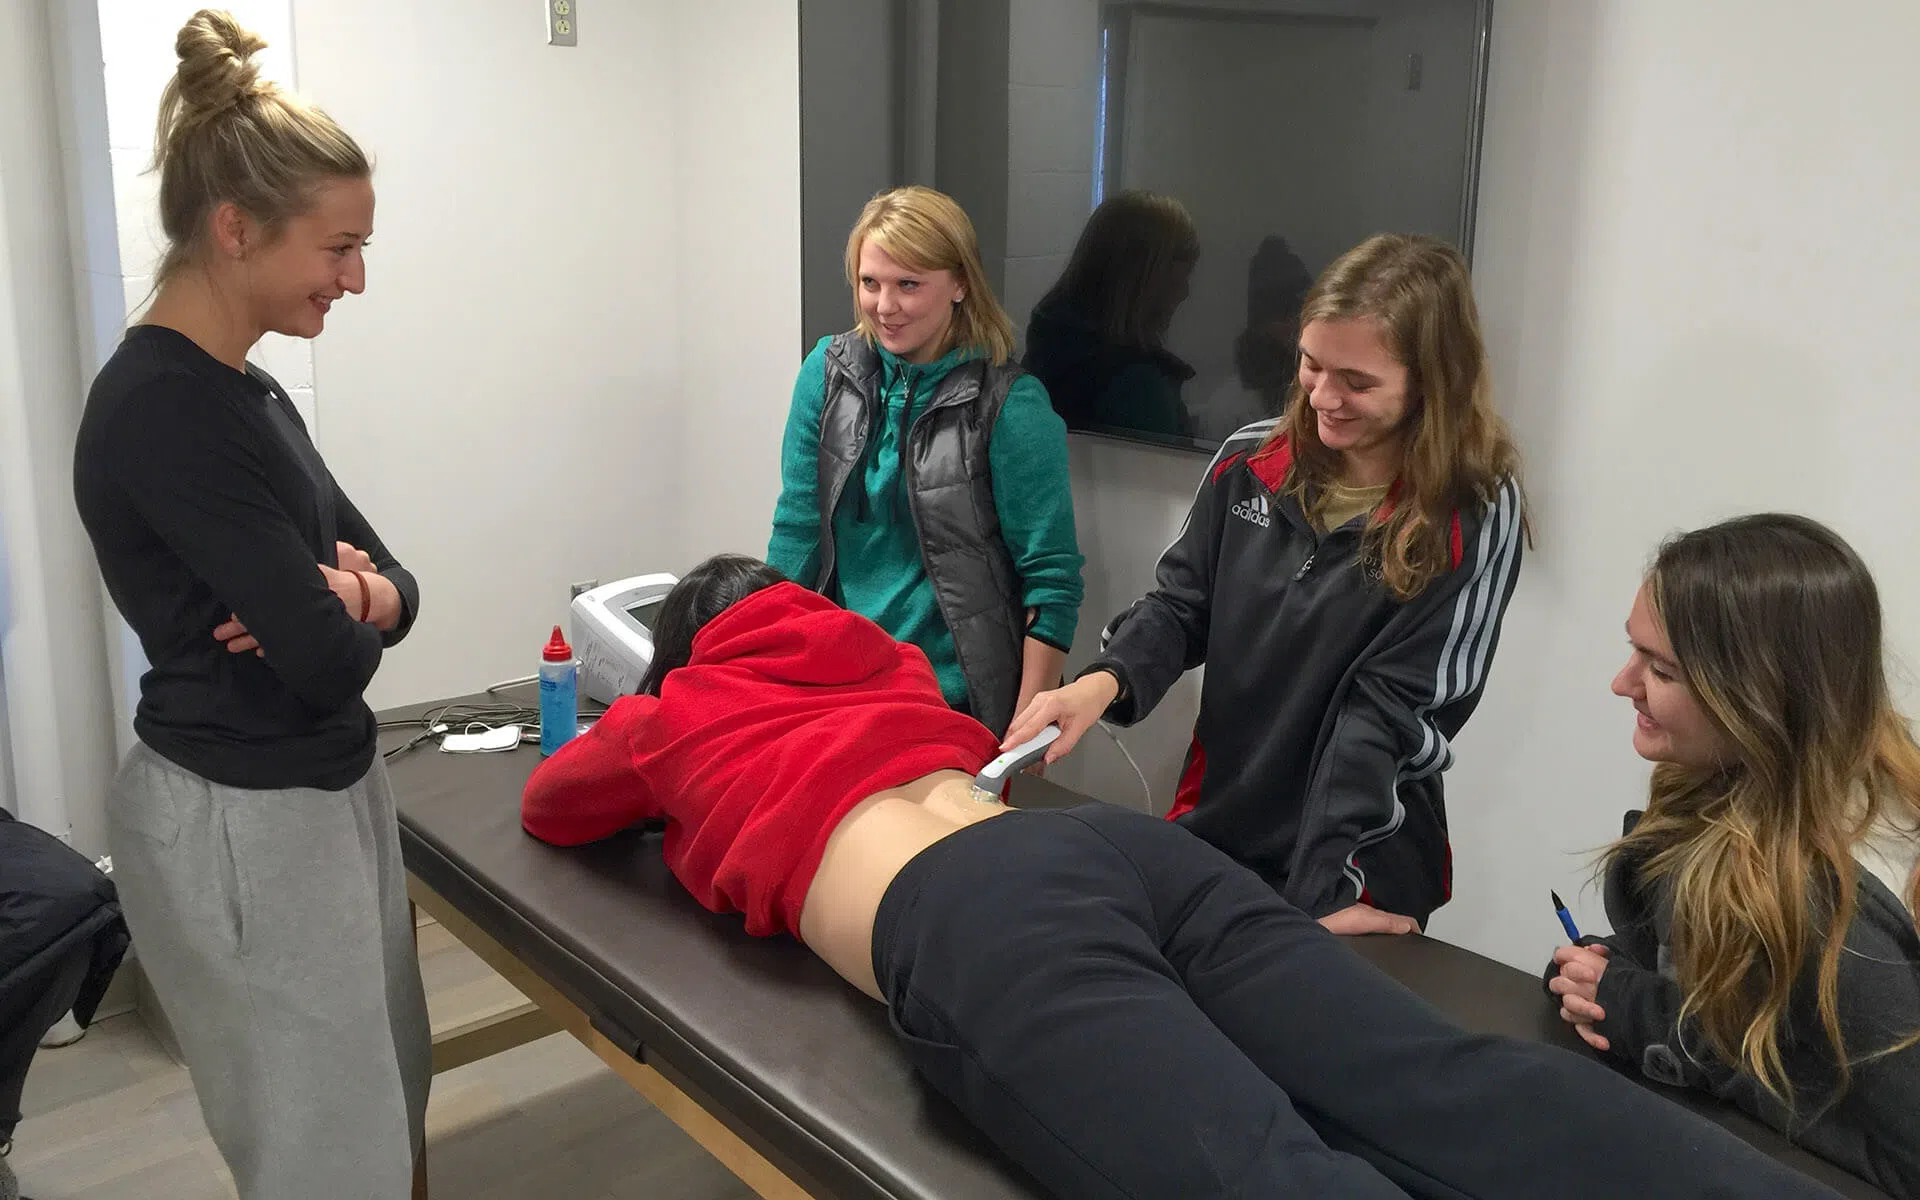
x,y
113,1117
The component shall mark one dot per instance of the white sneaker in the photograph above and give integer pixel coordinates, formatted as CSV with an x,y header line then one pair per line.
x,y
65,1032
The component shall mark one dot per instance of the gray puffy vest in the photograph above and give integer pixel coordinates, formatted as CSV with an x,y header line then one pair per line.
x,y
950,494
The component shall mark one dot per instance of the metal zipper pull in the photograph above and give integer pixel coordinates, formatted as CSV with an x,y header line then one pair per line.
x,y
1305,567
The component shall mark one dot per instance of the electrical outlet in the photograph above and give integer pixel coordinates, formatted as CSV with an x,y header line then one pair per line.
x,y
585,585
563,22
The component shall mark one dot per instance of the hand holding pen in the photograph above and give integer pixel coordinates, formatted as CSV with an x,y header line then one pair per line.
x,y
1566,918
1578,983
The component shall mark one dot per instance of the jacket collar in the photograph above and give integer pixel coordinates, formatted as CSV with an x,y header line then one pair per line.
x,y
894,369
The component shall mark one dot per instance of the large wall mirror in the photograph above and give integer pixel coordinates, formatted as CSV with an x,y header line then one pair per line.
x,y
1155,184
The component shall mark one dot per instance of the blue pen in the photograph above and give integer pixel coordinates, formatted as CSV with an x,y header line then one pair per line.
x,y
1566,918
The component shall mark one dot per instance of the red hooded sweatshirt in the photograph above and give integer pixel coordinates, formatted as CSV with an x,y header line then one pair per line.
x,y
791,711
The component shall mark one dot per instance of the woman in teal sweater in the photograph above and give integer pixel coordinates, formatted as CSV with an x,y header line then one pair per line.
x,y
924,477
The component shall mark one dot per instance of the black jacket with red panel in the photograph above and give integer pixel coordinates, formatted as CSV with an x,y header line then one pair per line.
x,y
1329,706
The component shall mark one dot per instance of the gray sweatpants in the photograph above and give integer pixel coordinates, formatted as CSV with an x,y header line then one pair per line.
x,y
274,928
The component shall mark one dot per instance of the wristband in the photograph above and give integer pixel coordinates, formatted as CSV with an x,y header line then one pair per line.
x,y
366,595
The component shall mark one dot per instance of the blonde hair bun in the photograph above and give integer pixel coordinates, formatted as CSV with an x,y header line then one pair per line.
x,y
225,135
216,69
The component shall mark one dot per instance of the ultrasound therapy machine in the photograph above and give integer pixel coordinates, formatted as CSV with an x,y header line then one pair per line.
x,y
612,632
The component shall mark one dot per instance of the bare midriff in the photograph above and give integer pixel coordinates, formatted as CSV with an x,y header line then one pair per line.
x,y
866,851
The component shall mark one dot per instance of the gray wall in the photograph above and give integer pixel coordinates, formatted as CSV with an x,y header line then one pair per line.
x,y
848,125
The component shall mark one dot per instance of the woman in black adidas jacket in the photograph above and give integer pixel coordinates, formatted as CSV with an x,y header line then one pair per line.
x,y
1342,574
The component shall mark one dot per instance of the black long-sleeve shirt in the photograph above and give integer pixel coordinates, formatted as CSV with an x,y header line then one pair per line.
x,y
204,497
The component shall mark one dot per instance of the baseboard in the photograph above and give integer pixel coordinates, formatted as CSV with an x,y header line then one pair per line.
x,y
123,992
147,1006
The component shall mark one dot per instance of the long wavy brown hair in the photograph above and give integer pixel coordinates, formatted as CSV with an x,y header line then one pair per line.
x,y
1458,451
1775,623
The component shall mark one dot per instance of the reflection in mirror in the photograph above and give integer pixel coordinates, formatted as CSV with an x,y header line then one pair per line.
x,y
1155,184
1098,338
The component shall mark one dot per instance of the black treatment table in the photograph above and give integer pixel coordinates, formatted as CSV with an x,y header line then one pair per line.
x,y
761,1053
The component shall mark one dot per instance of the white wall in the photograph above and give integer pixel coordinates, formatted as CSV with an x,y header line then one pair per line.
x,y
737,214
577,342
1696,262
504,400
58,719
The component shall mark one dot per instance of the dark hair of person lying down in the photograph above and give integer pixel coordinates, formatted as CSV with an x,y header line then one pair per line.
x,y
701,595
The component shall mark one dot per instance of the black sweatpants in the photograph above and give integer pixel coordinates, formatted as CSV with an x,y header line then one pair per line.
x,y
1128,1013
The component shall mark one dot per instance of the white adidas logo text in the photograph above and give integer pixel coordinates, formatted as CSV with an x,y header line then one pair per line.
x,y
1256,511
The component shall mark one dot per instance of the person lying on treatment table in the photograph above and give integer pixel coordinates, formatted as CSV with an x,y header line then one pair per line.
x,y
1119,1006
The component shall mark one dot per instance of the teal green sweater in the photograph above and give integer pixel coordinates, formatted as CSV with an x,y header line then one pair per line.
x,y
879,569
